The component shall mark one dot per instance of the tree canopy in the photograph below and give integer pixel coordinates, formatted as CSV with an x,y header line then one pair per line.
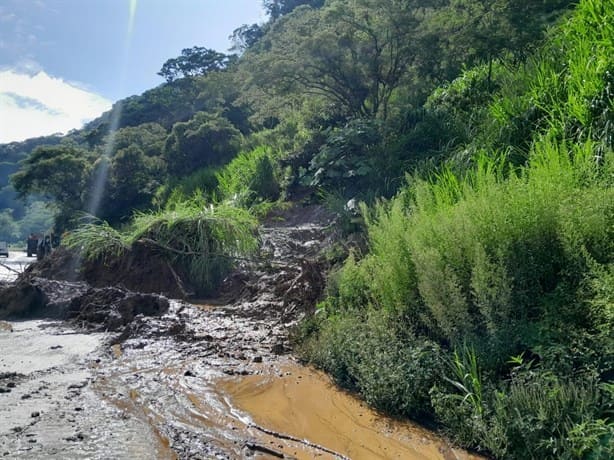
x,y
195,61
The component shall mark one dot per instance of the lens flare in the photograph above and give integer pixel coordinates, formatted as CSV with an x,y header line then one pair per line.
x,y
131,16
101,175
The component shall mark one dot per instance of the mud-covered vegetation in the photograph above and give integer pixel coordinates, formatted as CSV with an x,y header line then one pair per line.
x,y
198,240
477,134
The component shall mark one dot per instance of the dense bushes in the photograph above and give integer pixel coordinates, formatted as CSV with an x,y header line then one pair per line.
x,y
250,177
502,262
356,350
503,270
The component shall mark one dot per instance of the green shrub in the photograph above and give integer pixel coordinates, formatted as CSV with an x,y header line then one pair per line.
x,y
534,415
393,370
348,161
250,178
541,417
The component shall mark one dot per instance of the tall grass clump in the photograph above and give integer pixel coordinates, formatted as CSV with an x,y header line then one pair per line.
x,y
251,177
200,239
98,241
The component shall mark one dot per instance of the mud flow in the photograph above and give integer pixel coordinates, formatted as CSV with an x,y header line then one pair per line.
x,y
125,375
227,394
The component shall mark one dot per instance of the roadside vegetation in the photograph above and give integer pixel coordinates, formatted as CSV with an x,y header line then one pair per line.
x,y
486,299
477,137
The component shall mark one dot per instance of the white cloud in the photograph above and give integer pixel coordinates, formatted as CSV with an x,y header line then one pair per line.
x,y
37,104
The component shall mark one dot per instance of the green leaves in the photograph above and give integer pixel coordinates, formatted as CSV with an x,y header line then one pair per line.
x,y
347,160
204,140
193,62
353,55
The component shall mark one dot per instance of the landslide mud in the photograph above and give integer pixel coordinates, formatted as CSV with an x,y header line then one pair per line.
x,y
129,376
224,392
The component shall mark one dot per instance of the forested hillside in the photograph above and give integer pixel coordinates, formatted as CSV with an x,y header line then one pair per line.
x,y
339,87
477,134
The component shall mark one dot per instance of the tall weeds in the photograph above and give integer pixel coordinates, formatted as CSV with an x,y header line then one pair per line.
x,y
204,240
507,257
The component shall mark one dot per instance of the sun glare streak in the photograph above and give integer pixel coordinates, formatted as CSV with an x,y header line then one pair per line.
x,y
131,17
100,178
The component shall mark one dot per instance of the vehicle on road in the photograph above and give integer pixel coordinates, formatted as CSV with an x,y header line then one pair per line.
x,y
4,249
32,245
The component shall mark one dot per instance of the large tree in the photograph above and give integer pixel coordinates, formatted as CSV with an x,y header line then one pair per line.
x,y
245,37
59,173
193,62
354,54
204,140
133,178
277,8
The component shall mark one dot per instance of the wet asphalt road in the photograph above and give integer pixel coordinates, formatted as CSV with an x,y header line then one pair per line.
x,y
17,261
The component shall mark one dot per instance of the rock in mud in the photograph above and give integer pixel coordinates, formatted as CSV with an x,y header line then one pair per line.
x,y
31,297
21,298
112,309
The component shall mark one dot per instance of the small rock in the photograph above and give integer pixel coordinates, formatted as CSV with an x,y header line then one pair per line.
x,y
11,385
78,385
55,347
76,438
257,359
189,373
5,390
35,414
26,396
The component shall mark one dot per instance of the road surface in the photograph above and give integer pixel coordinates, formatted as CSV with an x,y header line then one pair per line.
x,y
17,262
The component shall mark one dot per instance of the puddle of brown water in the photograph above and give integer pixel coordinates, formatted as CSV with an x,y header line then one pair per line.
x,y
305,404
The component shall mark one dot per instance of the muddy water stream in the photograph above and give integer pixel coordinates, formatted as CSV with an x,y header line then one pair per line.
x,y
227,395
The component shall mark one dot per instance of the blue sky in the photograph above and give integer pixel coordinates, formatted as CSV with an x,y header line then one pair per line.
x,y
63,62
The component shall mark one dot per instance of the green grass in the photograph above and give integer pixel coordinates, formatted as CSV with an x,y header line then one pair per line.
x,y
250,178
202,239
